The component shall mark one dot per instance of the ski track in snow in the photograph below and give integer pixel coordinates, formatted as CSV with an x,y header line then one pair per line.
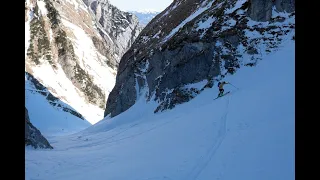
x,y
205,159
104,140
142,132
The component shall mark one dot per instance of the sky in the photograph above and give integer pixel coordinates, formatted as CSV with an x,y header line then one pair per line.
x,y
140,5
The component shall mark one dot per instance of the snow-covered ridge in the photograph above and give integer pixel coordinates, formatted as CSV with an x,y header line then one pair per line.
x,y
48,113
204,6
146,11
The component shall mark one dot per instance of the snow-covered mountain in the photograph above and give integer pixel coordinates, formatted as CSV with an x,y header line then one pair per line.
x,y
73,48
162,122
145,16
246,135
192,41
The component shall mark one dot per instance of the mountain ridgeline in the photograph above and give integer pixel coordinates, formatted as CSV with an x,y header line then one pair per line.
x,y
193,41
144,16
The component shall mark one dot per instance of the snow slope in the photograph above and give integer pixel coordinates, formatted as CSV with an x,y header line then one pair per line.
x,y
50,120
248,134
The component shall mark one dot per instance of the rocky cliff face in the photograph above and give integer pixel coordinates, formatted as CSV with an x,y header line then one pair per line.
x,y
32,136
198,41
74,50
118,27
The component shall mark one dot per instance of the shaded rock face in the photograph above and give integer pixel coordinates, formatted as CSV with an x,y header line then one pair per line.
x,y
261,10
197,41
32,136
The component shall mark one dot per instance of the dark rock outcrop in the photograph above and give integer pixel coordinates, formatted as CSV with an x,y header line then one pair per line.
x,y
32,136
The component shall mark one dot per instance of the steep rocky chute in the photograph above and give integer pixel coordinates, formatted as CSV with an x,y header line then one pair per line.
x,y
74,51
198,41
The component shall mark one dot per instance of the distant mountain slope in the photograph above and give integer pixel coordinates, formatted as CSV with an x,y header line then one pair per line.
x,y
144,16
73,48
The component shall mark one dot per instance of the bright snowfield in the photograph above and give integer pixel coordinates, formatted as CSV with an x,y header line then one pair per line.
x,y
246,135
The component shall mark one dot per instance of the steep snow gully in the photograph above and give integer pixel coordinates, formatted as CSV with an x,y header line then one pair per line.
x,y
247,134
